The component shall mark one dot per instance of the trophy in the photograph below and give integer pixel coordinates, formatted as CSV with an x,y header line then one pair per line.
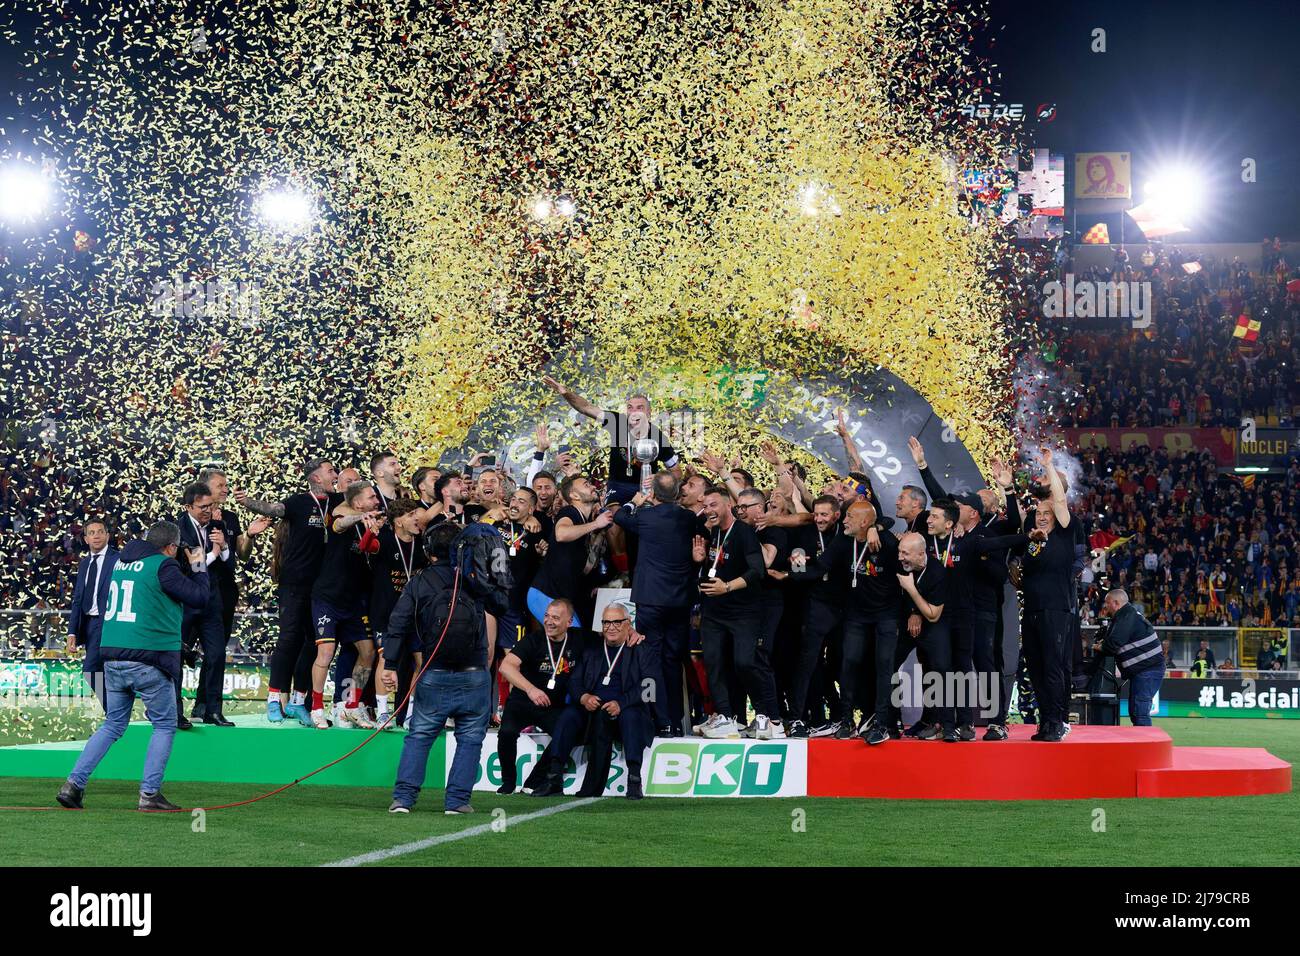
x,y
645,450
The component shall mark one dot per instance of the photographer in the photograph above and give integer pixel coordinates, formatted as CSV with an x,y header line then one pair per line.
x,y
1133,642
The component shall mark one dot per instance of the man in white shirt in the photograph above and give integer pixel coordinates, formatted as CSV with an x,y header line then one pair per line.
x,y
90,599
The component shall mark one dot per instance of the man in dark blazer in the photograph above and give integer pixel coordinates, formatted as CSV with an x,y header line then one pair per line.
x,y
90,596
606,692
663,590
205,626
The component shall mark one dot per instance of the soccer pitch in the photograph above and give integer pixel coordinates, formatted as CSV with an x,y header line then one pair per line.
x,y
321,825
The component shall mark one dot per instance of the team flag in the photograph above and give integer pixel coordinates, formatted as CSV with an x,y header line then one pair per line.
x,y
1098,235
1247,328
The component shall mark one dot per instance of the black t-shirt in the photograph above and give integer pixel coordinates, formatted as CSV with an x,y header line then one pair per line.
x,y
521,546
933,582
344,579
621,466
774,590
547,523
1048,572
734,554
561,571
876,591
535,663
827,587
389,574
300,559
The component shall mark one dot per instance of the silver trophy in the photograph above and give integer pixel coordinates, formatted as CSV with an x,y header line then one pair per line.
x,y
645,450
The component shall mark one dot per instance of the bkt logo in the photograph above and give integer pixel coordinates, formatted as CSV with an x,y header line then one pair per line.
x,y
716,770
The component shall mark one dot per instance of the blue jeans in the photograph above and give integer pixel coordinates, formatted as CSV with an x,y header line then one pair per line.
x,y
462,696
126,680
1143,686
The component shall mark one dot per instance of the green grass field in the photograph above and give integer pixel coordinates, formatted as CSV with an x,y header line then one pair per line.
x,y
316,825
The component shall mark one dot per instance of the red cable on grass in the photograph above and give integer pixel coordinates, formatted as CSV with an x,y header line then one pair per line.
x,y
455,588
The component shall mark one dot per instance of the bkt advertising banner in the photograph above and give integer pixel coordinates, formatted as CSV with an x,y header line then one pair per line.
x,y
681,767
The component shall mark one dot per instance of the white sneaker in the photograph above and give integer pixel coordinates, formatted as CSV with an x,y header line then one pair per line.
x,y
382,720
770,729
358,717
754,727
718,726
319,720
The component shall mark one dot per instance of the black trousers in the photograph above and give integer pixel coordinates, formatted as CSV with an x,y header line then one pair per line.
x,y
520,712
961,658
1047,636
295,647
204,629
934,651
667,633
869,638
576,723
820,622
995,685
737,645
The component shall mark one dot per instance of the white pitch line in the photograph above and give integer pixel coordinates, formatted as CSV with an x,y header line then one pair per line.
x,y
402,849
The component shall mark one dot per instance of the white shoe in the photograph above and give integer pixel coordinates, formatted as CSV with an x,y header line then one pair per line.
x,y
358,717
751,729
383,720
769,729
319,720
718,726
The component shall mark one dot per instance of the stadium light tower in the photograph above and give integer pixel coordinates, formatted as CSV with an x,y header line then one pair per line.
x,y
286,209
1177,192
25,193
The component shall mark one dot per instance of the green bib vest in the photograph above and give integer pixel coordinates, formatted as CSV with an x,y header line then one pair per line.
x,y
140,614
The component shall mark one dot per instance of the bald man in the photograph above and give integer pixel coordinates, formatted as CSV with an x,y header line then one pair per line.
x,y
870,628
924,583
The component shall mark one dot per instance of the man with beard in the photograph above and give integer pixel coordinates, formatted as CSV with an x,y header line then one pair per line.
x,y
423,481
398,558
538,669
976,596
924,583
776,556
339,600
694,489
522,533
732,570
305,515
823,600
570,569
624,429
450,505
870,624
386,476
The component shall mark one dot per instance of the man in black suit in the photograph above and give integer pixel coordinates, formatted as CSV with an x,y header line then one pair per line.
x,y
205,627
663,589
90,597
228,522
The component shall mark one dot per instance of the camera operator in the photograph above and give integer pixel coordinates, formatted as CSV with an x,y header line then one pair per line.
x,y
1133,642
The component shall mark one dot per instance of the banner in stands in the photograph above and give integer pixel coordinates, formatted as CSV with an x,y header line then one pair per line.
x,y
1266,447
1219,441
1103,176
682,767
1191,697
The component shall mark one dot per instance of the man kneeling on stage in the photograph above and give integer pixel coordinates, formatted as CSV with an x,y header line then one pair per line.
x,y
607,689
538,669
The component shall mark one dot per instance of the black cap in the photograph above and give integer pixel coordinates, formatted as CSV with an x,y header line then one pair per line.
x,y
970,501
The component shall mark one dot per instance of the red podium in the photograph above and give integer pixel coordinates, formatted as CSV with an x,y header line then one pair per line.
x,y
1093,762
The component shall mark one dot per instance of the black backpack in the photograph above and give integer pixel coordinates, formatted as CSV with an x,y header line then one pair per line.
x,y
449,631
